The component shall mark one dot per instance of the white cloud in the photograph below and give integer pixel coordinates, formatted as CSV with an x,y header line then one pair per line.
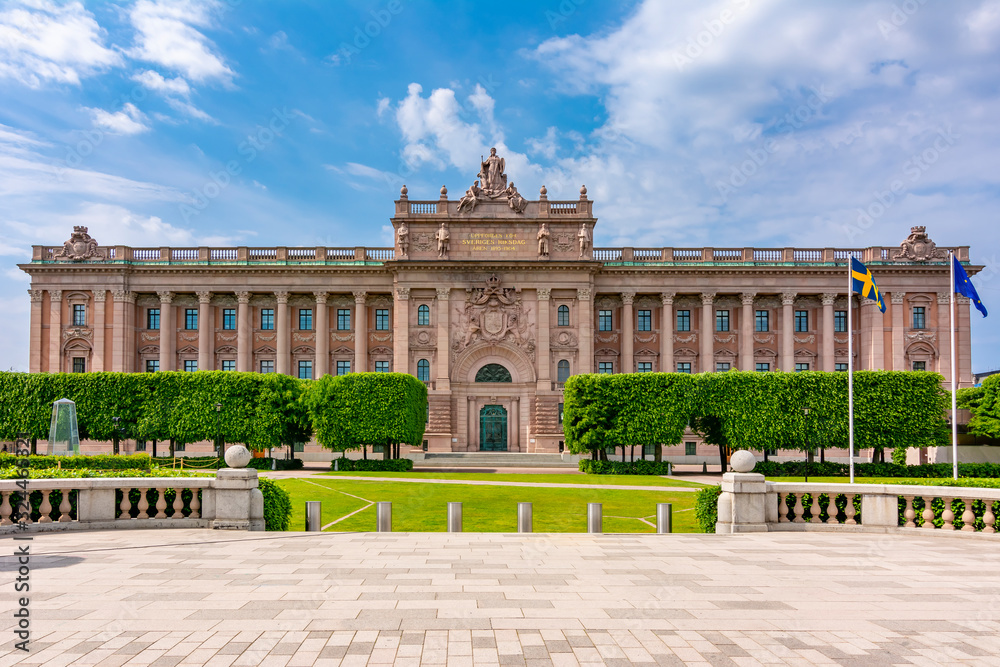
x,y
127,121
156,82
189,109
383,106
44,41
168,34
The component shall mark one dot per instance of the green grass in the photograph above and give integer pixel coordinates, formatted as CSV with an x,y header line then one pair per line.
x,y
423,507
578,478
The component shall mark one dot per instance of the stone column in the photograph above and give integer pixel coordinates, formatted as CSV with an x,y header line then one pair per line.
x,y
97,359
206,331
944,336
244,333
322,363
360,332
55,331
827,352
877,320
667,333
542,347
963,348
586,330
514,425
130,331
35,346
168,337
746,332
628,335
788,331
120,332
283,331
401,330
443,358
898,327
473,424
707,334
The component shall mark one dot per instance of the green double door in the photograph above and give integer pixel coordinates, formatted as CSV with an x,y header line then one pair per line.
x,y
493,428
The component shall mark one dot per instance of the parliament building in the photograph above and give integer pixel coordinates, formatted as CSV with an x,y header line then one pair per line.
x,y
493,301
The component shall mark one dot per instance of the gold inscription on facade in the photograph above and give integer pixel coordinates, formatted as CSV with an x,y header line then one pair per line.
x,y
488,242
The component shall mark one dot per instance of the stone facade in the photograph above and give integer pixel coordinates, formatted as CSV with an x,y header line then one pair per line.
x,y
503,283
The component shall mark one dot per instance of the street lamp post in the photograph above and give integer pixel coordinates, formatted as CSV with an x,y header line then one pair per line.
x,y
116,434
218,429
805,415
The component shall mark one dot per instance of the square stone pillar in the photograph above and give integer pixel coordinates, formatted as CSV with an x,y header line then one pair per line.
x,y
748,319
244,333
443,358
360,332
35,345
542,347
401,330
168,337
121,331
586,330
55,331
238,501
628,335
129,365
707,333
667,333
322,363
944,336
828,351
788,331
898,327
963,346
97,358
206,329
283,327
873,335
742,505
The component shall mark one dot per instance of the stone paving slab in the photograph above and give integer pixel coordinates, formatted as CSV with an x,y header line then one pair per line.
x,y
196,597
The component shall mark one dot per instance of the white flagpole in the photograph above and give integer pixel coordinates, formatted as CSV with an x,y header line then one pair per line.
x,y
850,365
954,371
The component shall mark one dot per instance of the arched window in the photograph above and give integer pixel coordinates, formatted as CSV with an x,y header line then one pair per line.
x,y
423,316
563,319
424,370
493,373
563,371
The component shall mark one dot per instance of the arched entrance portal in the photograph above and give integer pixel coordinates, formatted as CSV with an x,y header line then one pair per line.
x,y
493,428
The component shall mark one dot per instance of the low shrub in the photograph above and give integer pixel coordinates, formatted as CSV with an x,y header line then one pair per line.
x,y
706,508
592,467
378,465
214,463
831,469
279,464
277,505
95,462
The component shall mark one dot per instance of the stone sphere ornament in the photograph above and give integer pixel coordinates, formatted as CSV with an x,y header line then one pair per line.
x,y
742,461
239,456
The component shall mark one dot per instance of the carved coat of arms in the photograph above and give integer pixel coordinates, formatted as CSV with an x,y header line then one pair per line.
x,y
918,247
491,315
79,247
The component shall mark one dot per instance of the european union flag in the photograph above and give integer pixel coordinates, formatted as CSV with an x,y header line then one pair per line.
x,y
965,287
864,283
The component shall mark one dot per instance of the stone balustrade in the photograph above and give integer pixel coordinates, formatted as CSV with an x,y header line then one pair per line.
x,y
749,503
230,500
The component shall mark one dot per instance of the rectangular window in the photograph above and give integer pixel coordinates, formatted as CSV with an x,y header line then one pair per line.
x,y
722,366
153,319
763,368
840,367
919,318
684,320
343,367
381,366
179,447
190,319
645,366
79,315
645,320
762,321
343,319
684,367
722,320
560,413
267,319
190,365
690,449
79,364
228,365
305,369
299,446
840,321
604,321
152,365
920,365
140,445
229,319
606,367
382,319
267,365
801,367
801,321
305,319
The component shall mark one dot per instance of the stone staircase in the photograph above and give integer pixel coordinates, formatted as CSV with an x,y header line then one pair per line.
x,y
492,460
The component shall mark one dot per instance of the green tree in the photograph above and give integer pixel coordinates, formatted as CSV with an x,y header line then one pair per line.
x,y
986,409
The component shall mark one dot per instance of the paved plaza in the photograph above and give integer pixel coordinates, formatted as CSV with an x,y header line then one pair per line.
x,y
186,597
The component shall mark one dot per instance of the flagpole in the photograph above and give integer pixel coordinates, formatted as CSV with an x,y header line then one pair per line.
x,y
954,371
850,366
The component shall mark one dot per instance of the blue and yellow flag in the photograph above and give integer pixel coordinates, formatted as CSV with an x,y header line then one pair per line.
x,y
964,286
864,283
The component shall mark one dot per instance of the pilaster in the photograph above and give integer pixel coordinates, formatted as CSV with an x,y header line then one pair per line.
x,y
322,362
120,332
35,343
401,330
944,335
168,336
747,320
963,324
707,333
442,360
828,350
586,330
283,327
205,330
628,335
55,331
788,331
360,332
244,352
667,333
542,346
898,327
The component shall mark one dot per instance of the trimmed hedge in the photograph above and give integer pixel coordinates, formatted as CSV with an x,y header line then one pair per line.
x,y
592,467
277,505
214,463
378,465
831,469
706,508
985,407
96,462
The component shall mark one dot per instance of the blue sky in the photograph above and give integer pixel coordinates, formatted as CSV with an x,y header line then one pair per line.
x,y
122,115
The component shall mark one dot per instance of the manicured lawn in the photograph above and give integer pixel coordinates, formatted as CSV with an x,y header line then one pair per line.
x,y
580,478
423,507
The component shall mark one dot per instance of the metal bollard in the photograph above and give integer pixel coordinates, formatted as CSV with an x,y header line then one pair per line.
x,y
664,518
454,517
383,517
312,515
524,517
595,516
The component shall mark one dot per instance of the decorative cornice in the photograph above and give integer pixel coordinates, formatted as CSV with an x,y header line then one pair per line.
x,y
544,293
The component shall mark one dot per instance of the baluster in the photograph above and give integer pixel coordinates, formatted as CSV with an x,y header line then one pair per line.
x,y
831,509
948,515
178,505
989,518
815,509
909,514
24,505
143,504
195,504
161,504
798,511
65,507
782,508
5,510
126,506
45,509
849,510
928,514
968,516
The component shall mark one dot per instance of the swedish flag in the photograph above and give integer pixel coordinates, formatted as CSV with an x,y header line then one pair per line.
x,y
964,286
864,283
